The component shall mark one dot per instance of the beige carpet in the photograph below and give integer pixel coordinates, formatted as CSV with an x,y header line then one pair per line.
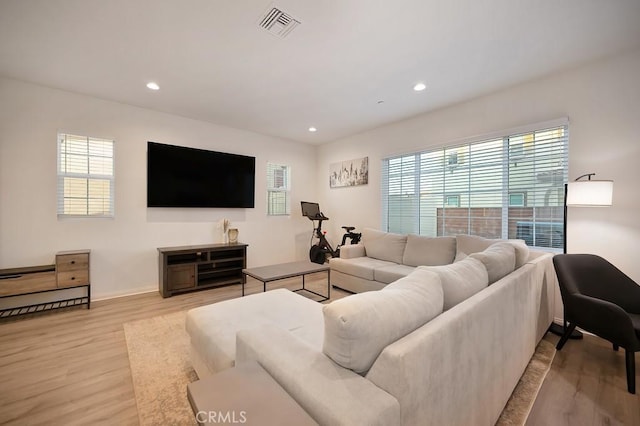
x,y
160,367
524,395
161,370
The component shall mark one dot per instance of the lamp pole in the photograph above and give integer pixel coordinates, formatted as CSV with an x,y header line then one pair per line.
x,y
585,193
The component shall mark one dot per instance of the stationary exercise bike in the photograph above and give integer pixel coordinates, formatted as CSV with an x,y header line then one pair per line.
x,y
319,251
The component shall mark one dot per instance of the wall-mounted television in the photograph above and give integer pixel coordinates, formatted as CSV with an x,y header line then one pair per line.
x,y
178,176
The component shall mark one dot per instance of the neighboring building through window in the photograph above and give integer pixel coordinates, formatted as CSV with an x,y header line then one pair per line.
x,y
278,190
85,176
509,186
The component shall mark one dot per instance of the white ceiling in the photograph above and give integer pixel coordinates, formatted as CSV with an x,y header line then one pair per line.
x,y
214,63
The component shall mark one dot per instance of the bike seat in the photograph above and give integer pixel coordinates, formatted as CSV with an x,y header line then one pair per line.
x,y
348,228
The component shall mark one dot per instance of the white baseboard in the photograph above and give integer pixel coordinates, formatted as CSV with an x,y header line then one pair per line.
x,y
125,294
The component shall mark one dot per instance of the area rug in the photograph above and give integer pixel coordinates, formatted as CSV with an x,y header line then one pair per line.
x,y
160,368
159,356
524,395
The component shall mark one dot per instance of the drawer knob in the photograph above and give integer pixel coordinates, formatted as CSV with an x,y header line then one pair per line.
x,y
73,278
73,262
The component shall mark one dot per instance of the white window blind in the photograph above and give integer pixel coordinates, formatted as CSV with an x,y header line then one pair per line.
x,y
85,176
510,186
278,190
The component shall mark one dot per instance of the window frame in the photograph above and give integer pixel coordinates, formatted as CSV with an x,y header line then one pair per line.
x,y
90,176
284,189
522,155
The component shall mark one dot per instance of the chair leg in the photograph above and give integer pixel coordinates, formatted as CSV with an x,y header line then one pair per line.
x,y
567,333
631,371
616,347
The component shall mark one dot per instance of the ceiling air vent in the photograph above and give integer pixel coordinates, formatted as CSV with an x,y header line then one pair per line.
x,y
278,23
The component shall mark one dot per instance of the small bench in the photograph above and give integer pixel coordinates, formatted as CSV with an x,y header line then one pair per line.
x,y
213,328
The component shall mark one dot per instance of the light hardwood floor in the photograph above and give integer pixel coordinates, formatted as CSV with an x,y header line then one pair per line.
x,y
587,385
72,368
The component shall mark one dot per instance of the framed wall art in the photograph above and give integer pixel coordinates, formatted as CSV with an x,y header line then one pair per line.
x,y
349,173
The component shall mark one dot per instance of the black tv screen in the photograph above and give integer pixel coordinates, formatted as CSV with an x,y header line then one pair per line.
x,y
188,177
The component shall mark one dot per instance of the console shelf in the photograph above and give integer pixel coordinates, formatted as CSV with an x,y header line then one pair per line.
x,y
189,268
71,271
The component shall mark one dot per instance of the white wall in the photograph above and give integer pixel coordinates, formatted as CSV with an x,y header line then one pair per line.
x,y
124,259
602,101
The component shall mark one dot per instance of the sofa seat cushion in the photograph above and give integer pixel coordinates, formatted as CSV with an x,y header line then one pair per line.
x,y
499,259
429,251
362,267
460,280
391,273
469,244
358,327
384,245
212,328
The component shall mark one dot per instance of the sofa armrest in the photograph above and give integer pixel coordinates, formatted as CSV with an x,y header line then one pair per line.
x,y
332,395
604,318
352,250
550,300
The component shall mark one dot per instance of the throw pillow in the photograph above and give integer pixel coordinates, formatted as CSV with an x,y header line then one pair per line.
x,y
384,245
469,244
358,327
522,252
430,251
460,280
499,259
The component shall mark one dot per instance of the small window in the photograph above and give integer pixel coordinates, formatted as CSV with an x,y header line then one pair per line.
x,y
517,199
278,190
452,201
85,176
452,159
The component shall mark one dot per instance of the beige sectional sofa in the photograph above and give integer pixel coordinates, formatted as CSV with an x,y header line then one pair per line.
x,y
384,257
444,344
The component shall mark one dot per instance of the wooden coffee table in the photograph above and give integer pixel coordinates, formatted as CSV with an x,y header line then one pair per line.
x,y
281,271
245,394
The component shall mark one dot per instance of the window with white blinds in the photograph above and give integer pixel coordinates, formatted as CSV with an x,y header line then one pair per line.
x,y
85,176
278,190
510,186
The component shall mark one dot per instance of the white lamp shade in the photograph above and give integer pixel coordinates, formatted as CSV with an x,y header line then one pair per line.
x,y
590,193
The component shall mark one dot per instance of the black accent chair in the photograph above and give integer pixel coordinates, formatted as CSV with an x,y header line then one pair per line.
x,y
600,299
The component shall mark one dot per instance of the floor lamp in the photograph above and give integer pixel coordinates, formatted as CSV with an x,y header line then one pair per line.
x,y
583,193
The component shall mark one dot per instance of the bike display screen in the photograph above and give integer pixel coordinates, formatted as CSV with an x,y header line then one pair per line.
x,y
310,210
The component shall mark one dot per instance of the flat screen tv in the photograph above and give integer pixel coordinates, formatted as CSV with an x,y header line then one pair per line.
x,y
188,177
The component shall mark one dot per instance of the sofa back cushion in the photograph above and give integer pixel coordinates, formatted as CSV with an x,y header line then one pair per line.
x,y
460,280
430,251
384,245
469,244
358,327
499,259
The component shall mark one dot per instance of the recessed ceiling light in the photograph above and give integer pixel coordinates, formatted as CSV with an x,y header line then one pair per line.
x,y
312,129
153,85
419,87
